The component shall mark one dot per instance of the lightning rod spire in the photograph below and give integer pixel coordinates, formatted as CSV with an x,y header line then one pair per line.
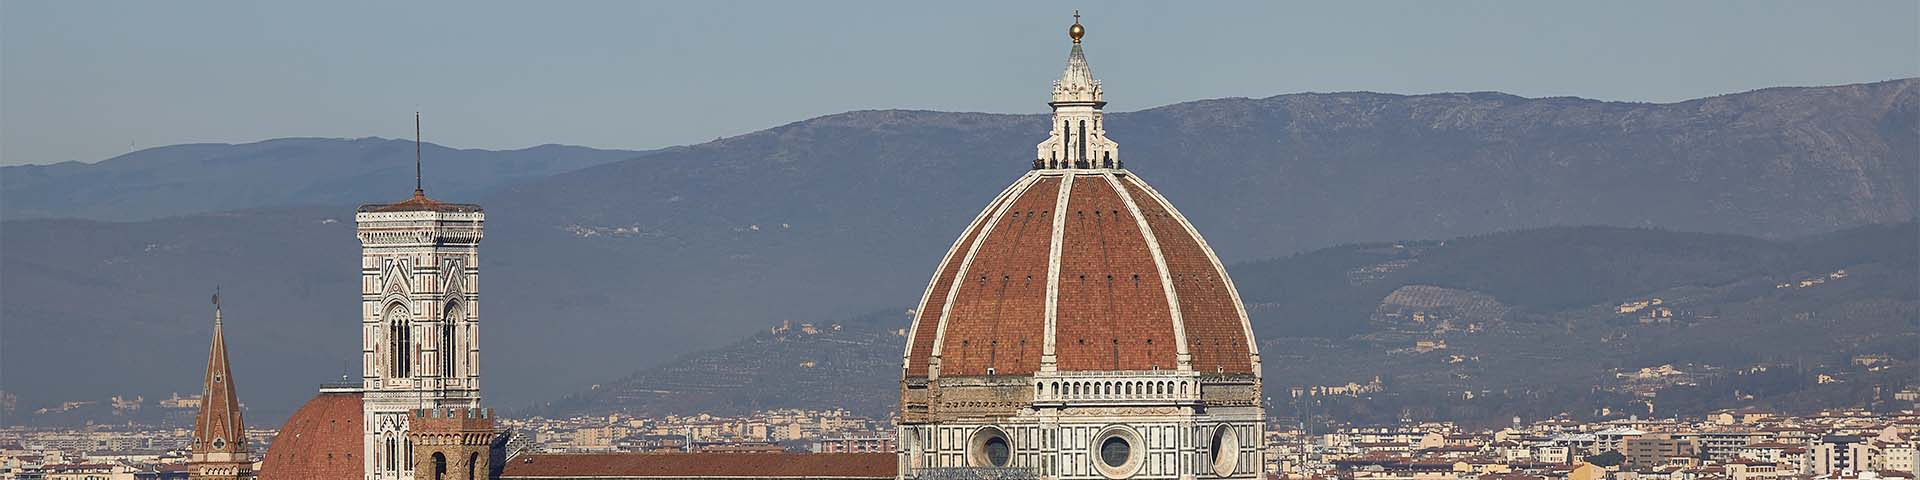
x,y
417,191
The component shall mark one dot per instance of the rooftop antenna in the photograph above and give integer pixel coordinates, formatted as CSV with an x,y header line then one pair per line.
x,y
417,191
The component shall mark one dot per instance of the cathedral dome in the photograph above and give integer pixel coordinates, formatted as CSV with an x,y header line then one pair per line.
x,y
1079,323
1084,269
321,440
1079,266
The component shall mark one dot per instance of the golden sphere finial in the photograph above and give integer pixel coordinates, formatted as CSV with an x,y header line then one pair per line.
x,y
1076,31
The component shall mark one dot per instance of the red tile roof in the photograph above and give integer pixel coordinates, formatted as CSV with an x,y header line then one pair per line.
x,y
999,309
419,203
321,440
926,326
1126,260
1216,329
707,465
1107,320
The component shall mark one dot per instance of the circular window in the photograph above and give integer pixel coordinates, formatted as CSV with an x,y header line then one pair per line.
x,y
1119,452
219,443
990,448
1115,452
998,452
1225,449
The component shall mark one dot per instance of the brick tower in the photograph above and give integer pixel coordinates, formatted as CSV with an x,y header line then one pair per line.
x,y
219,434
451,443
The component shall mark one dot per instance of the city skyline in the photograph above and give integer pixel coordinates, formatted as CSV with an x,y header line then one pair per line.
x,y
1449,286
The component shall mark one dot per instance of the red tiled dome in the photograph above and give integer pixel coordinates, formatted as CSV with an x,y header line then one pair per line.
x,y
321,440
1093,262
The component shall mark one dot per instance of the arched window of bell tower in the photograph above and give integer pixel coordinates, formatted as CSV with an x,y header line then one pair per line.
x,y
393,452
399,341
450,345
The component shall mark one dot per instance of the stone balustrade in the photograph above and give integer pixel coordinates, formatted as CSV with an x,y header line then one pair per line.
x,y
1130,387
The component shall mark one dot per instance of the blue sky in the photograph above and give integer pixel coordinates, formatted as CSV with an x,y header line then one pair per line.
x,y
89,80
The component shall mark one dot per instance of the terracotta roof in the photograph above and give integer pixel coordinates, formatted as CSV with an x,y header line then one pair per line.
x,y
710,465
1512,476
1216,328
419,203
927,325
1125,261
321,440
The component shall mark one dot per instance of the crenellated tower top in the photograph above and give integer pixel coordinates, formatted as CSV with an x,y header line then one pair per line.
x,y
1078,138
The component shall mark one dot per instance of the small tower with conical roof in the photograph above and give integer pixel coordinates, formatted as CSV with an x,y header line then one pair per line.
x,y
219,434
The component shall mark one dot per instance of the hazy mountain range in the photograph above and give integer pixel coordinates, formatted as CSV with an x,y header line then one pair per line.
x,y
595,273
1526,322
211,177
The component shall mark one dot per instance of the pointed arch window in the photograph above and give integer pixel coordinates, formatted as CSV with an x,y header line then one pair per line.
x,y
450,347
393,453
399,341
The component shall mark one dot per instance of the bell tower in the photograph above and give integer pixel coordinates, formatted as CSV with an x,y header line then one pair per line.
x,y
219,433
419,318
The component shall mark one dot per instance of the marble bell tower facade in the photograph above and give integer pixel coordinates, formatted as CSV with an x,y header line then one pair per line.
x,y
419,319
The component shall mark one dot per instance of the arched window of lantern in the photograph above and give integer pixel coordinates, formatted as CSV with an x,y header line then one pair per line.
x,y
1083,140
